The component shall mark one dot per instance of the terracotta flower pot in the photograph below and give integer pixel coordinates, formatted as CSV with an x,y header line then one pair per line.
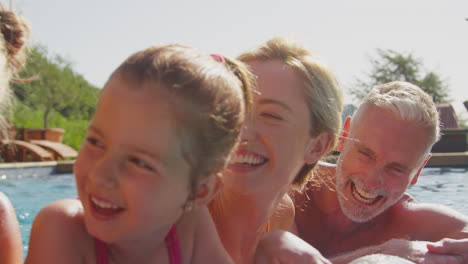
x,y
51,134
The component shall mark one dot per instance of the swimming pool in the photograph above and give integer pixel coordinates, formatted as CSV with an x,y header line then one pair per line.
x,y
30,193
447,186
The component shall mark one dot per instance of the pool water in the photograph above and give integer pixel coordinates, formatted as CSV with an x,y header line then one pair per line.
x,y
30,193
447,186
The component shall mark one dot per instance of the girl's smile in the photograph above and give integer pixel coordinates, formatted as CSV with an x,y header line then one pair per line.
x,y
103,209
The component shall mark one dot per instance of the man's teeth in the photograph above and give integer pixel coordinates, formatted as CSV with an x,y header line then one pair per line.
x,y
103,204
364,196
247,159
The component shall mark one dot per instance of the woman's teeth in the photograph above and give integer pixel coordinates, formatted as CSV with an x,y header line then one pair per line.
x,y
247,159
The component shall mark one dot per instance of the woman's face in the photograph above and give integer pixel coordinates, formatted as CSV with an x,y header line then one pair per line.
x,y
274,142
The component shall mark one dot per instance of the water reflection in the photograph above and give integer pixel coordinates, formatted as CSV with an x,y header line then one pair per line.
x,y
447,186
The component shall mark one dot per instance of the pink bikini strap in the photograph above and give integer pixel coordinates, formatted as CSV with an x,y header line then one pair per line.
x,y
173,247
101,252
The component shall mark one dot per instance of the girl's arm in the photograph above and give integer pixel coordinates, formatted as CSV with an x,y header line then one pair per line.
x,y
58,234
11,249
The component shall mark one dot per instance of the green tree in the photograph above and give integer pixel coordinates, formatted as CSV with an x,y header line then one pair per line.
x,y
390,66
55,87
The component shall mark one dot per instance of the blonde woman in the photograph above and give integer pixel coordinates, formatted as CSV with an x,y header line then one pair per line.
x,y
297,113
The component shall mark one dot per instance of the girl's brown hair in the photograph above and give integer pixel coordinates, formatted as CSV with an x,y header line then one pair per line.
x,y
210,96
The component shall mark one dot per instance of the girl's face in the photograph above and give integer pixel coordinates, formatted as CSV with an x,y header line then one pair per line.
x,y
131,176
274,142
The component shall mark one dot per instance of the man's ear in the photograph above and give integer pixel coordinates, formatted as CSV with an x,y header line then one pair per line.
x,y
317,147
206,189
344,134
415,178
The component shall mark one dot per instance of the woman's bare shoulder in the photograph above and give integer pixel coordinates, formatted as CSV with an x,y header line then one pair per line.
x,y
6,208
283,216
10,239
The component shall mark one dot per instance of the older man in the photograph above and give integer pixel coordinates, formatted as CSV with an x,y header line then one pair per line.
x,y
361,202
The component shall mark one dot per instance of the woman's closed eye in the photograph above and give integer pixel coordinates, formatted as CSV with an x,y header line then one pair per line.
x,y
272,116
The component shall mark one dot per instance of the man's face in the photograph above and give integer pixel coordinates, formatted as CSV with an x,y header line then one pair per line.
x,y
382,156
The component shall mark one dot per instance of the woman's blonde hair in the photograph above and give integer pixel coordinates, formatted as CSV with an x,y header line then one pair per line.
x,y
13,51
322,92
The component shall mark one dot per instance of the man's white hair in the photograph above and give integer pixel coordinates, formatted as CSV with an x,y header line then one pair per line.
x,y
409,102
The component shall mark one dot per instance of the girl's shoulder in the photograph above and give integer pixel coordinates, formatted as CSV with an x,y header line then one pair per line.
x,y
63,215
59,234
62,207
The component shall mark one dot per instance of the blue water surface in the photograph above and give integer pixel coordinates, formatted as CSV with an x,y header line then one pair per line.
x,y
447,186
29,193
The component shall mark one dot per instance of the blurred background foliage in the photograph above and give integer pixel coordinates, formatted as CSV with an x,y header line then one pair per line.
x,y
56,97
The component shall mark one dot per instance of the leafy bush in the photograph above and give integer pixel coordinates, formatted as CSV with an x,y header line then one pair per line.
x,y
75,130
55,97
55,87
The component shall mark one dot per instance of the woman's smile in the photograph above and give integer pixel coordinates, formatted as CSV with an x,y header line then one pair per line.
x,y
244,161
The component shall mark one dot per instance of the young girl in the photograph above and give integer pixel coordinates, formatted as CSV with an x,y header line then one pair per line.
x,y
13,37
165,124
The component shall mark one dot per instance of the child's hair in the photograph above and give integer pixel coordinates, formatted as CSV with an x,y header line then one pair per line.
x,y
210,96
322,93
13,49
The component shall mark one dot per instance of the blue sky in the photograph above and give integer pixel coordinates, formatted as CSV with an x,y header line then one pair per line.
x,y
96,36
